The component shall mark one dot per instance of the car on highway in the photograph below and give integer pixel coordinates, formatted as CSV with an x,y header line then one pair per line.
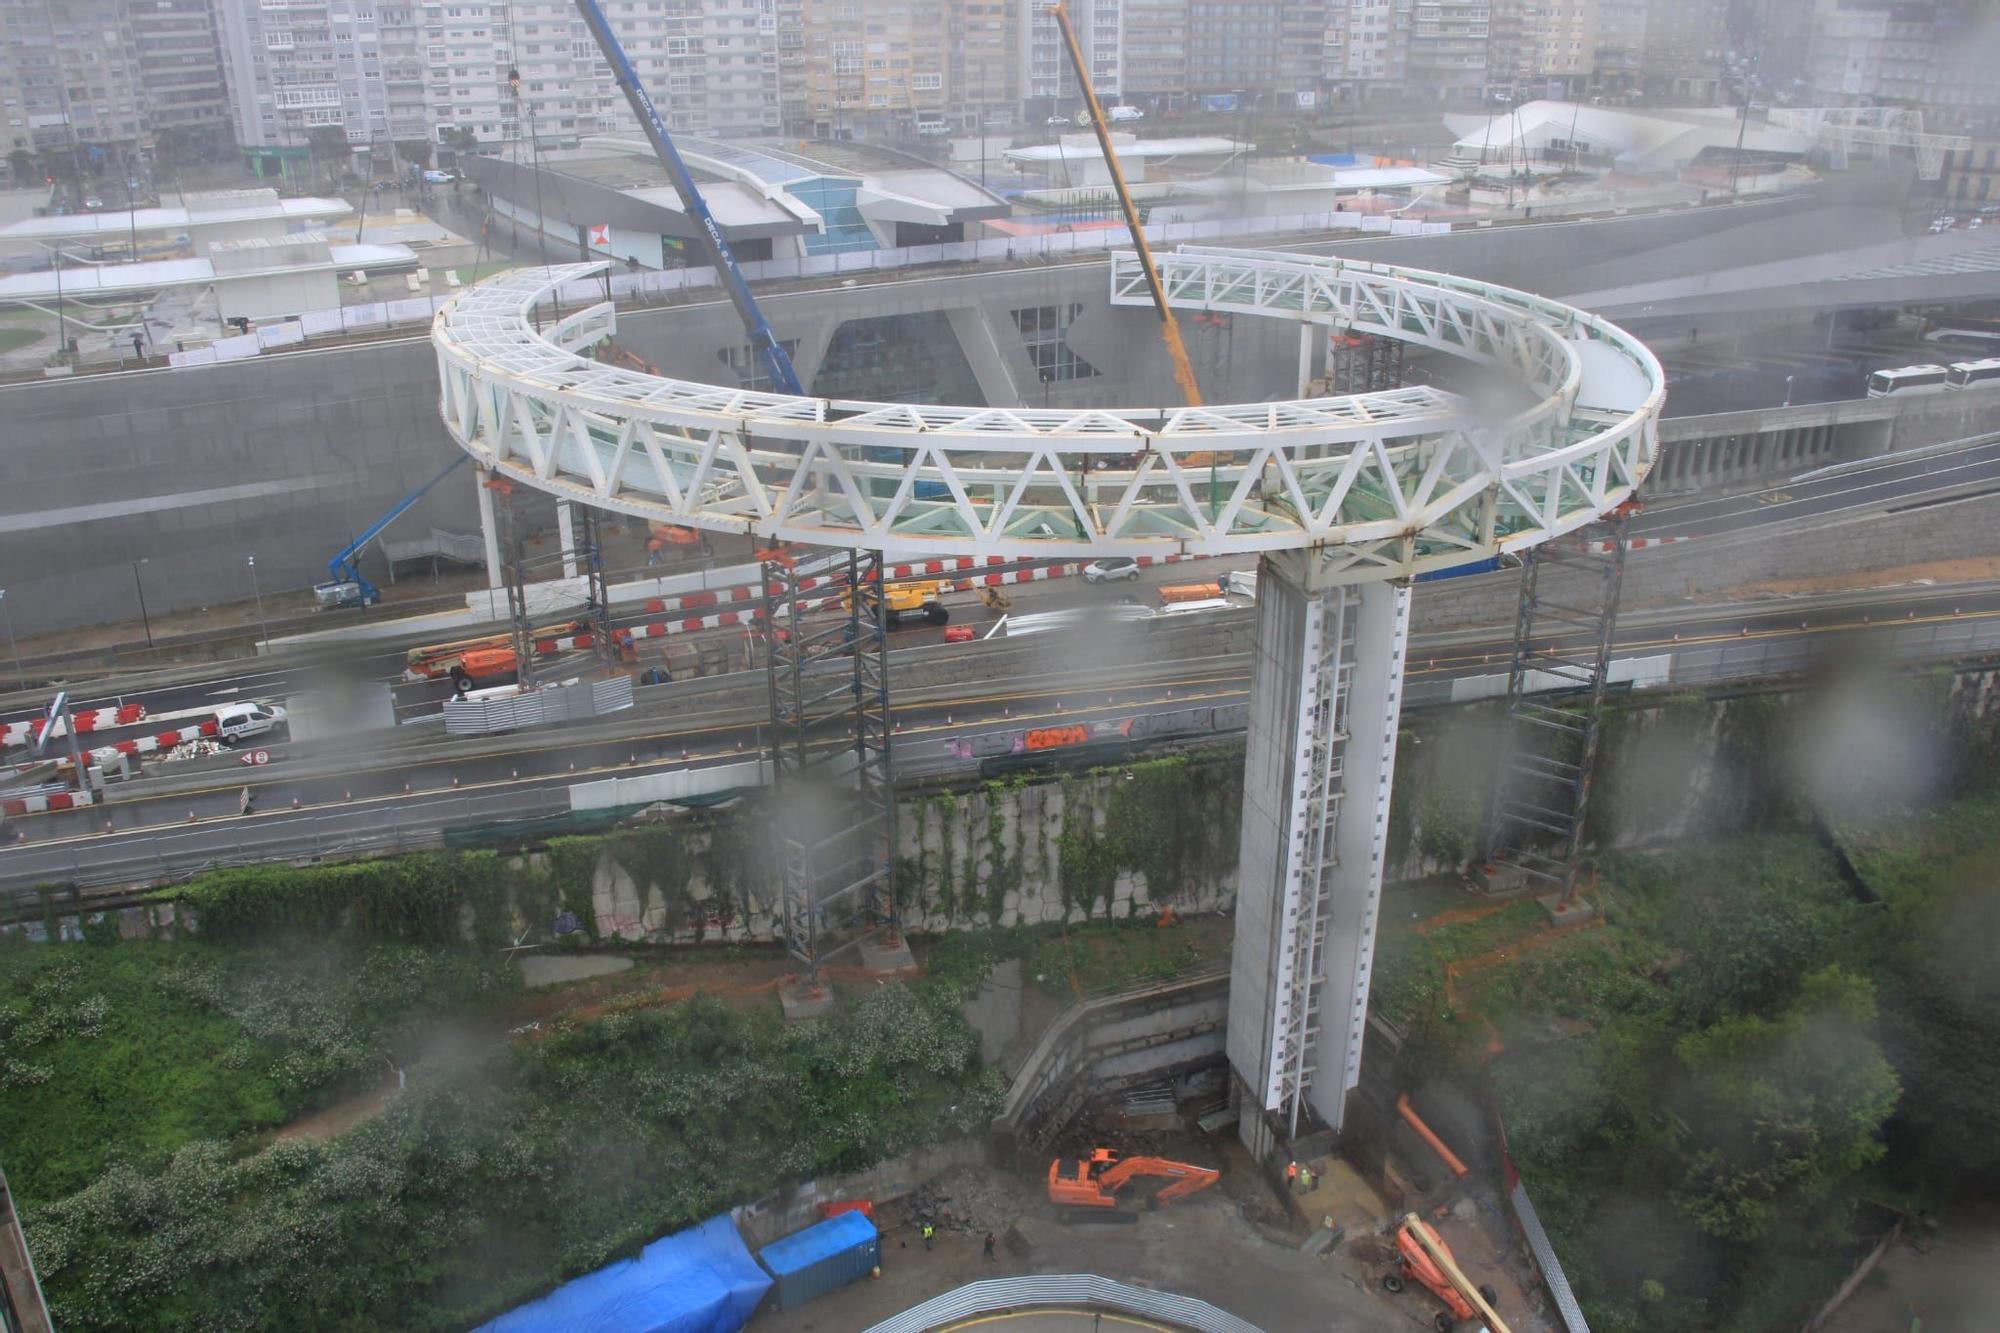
x,y
1119,115
236,723
1111,569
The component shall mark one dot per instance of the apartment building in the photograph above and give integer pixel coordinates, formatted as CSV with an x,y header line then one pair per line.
x,y
1047,85
1937,56
180,68
982,76
1446,55
1682,57
868,68
1621,45
1543,48
499,71
1362,50
71,83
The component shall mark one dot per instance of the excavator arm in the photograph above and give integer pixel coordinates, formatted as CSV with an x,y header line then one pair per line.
x,y
1099,1178
1187,1179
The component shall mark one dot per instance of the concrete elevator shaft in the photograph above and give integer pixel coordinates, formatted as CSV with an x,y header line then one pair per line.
x,y
1326,691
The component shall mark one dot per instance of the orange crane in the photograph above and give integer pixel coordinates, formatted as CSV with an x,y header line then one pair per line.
x,y
1426,1259
1169,330
1099,1177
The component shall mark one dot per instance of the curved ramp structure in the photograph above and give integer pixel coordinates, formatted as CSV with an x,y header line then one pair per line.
x,y
1384,484
1343,498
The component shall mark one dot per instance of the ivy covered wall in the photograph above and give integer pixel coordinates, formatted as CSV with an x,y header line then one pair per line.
x,y
1104,845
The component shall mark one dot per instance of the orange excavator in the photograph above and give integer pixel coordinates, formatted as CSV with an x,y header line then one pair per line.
x,y
1098,1178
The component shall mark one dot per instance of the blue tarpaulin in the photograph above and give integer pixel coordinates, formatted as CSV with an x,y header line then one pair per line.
x,y
701,1280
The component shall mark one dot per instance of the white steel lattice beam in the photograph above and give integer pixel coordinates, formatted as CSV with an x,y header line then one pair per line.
x,y
1388,484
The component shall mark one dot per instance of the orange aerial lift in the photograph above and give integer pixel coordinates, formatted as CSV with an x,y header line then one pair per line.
x,y
1099,1177
1426,1259
1169,330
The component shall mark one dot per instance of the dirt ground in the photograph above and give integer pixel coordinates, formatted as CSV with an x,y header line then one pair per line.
x,y
1968,569
1204,1246
1943,1283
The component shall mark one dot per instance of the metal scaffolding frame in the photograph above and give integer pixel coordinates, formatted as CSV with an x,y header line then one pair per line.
x,y
528,629
1555,704
1316,799
1363,363
832,770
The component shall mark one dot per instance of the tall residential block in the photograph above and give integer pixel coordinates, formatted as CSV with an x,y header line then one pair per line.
x,y
71,83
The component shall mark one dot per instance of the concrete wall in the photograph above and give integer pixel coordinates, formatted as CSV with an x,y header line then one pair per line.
x,y
1726,449
193,470
1680,575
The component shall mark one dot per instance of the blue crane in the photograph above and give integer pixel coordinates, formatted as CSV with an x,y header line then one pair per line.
x,y
349,587
763,341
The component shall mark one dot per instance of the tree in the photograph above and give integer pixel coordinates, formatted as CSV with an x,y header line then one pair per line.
x,y
414,151
21,163
328,143
1780,1112
461,139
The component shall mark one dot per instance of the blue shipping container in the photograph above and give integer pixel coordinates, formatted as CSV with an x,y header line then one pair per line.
x,y
822,1258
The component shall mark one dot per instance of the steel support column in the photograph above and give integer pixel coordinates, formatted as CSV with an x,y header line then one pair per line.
x,y
831,766
489,528
1325,696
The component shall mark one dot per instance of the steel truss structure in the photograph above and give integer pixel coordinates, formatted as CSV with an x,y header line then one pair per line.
x,y
1346,497
532,613
830,750
1388,484
1844,128
1555,702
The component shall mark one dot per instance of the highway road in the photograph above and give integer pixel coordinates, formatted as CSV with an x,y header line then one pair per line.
x,y
1881,485
1884,485
402,793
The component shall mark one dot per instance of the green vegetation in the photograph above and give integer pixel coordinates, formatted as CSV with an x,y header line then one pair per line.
x,y
143,1079
1701,1090
1095,958
13,337
131,1049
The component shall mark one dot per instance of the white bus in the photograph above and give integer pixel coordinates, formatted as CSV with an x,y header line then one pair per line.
x,y
1908,379
1964,374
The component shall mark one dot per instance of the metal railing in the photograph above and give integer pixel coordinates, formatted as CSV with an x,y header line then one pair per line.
x,y
1067,1291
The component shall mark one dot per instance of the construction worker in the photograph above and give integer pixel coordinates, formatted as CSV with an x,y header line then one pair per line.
x,y
930,1233
1305,1180
1292,1176
991,1241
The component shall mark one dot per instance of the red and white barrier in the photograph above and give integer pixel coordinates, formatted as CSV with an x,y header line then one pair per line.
x,y
36,805
1637,544
86,719
165,740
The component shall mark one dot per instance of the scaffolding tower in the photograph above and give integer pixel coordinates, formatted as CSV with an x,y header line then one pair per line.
x,y
576,637
1555,702
1363,363
831,772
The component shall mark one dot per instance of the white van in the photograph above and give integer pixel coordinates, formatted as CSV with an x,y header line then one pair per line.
x,y
236,723
1119,115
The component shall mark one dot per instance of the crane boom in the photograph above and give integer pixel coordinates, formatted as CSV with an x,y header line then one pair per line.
x,y
1170,330
763,342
